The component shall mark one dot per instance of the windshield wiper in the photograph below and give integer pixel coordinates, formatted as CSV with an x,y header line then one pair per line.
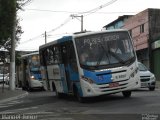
x,y
117,57
129,59
104,52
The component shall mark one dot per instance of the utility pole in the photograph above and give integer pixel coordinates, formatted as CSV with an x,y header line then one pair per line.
x,y
81,23
12,52
45,36
81,16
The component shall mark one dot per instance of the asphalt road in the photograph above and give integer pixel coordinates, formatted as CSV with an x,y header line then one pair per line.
x,y
42,105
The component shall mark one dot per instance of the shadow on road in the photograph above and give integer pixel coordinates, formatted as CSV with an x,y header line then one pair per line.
x,y
91,100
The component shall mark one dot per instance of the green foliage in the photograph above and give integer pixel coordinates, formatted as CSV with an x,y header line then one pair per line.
x,y
8,10
7,15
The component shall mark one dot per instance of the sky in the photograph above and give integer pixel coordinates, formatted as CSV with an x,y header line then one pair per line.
x,y
54,17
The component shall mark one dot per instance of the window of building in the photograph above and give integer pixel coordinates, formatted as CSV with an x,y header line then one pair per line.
x,y
142,28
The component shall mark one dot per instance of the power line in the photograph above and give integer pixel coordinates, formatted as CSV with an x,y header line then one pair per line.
x,y
32,39
98,8
86,12
43,10
68,19
42,35
65,22
74,12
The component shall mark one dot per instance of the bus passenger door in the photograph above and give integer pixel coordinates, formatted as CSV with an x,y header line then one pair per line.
x,y
70,64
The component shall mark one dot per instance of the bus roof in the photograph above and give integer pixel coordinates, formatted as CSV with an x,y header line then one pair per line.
x,y
80,34
60,40
30,54
97,32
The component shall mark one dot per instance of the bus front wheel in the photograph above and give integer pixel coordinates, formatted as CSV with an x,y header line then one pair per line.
x,y
127,94
77,95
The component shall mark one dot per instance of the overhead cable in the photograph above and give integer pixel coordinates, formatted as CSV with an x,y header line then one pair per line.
x,y
76,12
98,8
68,19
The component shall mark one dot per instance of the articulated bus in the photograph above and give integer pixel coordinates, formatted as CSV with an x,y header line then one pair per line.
x,y
91,64
29,72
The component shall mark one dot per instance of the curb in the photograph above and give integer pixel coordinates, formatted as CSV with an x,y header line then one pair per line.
x,y
13,98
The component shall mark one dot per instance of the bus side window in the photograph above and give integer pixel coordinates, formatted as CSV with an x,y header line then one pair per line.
x,y
48,56
41,58
56,55
72,57
64,54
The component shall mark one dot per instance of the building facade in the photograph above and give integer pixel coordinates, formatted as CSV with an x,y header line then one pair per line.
x,y
144,28
138,25
118,23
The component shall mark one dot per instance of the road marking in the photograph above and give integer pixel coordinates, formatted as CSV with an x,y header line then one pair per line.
x,y
20,110
9,104
23,109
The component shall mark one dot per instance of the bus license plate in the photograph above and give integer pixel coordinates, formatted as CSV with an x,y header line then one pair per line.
x,y
112,85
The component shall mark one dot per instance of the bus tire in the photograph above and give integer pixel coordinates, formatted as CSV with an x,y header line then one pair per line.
x,y
126,94
77,95
24,88
29,89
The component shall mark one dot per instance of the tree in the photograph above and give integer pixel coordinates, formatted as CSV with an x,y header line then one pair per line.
x,y
9,30
7,12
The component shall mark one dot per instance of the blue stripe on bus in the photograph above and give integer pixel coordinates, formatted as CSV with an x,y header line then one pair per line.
x,y
74,76
78,86
64,84
38,76
99,77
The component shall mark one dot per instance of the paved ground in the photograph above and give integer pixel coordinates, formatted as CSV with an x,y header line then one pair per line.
x,y
6,94
44,105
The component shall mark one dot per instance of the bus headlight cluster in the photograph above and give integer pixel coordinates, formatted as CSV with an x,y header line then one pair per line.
x,y
32,77
87,79
134,72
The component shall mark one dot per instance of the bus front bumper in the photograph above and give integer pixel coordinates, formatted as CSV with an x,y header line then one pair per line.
x,y
90,90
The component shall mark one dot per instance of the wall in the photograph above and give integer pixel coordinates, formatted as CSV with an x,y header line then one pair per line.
x,y
140,38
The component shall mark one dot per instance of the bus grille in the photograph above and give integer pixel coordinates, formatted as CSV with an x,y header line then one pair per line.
x,y
121,85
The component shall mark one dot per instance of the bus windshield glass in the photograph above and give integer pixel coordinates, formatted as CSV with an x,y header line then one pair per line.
x,y
35,66
104,50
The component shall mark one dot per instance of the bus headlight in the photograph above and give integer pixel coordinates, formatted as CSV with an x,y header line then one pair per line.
x,y
32,77
87,79
134,72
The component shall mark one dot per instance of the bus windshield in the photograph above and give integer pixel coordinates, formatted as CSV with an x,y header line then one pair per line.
x,y
105,50
34,65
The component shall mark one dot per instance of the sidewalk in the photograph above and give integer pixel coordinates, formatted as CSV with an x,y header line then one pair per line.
x,y
7,95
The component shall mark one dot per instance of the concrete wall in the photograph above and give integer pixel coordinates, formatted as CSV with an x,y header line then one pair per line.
x,y
133,24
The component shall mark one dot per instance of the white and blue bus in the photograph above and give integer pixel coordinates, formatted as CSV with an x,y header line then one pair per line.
x,y
29,73
91,64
